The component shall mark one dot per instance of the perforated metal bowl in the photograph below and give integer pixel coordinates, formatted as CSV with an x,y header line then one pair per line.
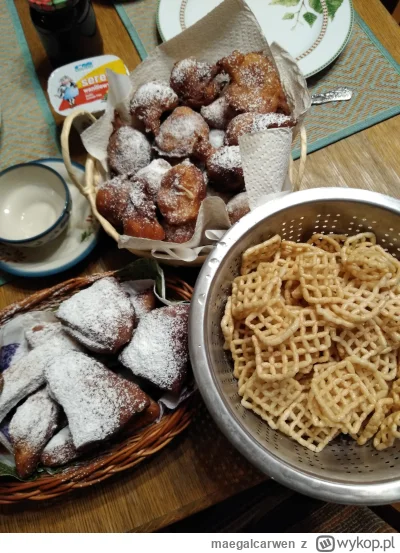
x,y
343,472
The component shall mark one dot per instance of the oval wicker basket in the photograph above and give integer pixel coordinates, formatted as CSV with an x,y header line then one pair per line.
x,y
94,173
117,457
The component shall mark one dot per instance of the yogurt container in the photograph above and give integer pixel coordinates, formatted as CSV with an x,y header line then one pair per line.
x,y
83,84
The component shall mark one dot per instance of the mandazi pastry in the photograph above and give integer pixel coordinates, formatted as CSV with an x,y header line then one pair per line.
x,y
140,218
100,317
158,351
128,150
97,402
112,199
194,82
31,427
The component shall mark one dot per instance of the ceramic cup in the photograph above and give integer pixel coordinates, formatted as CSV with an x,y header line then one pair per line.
x,y
35,204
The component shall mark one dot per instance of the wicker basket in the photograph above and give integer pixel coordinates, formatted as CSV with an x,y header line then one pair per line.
x,y
118,457
94,174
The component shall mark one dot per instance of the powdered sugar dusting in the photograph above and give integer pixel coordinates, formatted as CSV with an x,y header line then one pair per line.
x,y
153,174
227,157
97,402
158,350
153,92
60,449
98,313
130,150
25,376
34,422
51,333
218,114
179,133
183,68
217,138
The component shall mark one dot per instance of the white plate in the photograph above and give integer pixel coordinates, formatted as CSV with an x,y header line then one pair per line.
x,y
68,249
314,45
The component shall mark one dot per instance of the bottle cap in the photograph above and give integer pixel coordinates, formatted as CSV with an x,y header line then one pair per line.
x,y
50,5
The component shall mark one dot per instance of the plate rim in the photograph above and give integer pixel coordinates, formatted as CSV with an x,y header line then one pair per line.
x,y
49,272
306,76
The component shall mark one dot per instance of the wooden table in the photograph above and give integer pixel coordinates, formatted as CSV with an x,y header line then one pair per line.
x,y
200,468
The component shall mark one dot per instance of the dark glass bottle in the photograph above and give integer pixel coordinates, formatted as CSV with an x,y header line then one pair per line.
x,y
67,29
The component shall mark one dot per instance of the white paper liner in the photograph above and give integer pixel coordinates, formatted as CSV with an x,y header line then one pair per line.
x,y
231,25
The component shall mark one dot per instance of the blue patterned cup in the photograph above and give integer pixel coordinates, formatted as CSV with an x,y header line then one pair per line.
x,y
35,205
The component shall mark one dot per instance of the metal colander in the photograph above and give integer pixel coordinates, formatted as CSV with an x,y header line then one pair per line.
x,y
343,472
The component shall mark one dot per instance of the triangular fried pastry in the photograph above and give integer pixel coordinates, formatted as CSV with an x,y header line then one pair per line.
x,y
158,350
44,333
96,401
31,427
100,317
60,449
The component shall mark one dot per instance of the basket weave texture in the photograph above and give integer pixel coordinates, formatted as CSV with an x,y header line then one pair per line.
x,y
118,457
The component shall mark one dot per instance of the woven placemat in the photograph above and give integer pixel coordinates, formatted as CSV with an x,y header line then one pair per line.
x,y
27,127
375,98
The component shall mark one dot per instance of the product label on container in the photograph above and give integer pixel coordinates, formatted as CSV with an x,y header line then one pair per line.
x,y
82,84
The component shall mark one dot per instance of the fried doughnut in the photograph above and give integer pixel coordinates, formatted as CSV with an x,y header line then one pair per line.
x,y
252,123
224,168
181,193
194,82
128,150
179,235
238,207
140,219
112,199
218,114
152,175
255,85
217,138
150,101
180,132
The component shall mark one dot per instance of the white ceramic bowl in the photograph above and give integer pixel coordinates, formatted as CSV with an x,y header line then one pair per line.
x,y
35,204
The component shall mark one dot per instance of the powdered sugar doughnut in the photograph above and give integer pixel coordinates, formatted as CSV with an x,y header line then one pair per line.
x,y
238,207
140,217
180,132
150,101
112,199
224,168
153,174
252,123
218,114
194,82
217,138
128,151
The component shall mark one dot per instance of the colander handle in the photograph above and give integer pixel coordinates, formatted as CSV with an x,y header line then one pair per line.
x,y
297,179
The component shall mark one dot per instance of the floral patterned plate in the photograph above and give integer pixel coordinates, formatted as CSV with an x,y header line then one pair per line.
x,y
312,31
68,249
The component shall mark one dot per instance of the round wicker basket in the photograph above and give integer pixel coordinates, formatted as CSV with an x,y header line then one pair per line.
x,y
117,457
94,174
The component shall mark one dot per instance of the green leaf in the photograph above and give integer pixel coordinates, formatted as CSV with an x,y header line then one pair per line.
x,y
310,18
316,5
333,6
288,15
287,3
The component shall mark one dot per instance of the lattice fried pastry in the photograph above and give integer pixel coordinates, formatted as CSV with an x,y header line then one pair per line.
x,y
158,350
388,431
331,243
274,325
365,341
319,278
150,101
97,402
252,292
382,408
253,256
100,317
296,422
31,427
